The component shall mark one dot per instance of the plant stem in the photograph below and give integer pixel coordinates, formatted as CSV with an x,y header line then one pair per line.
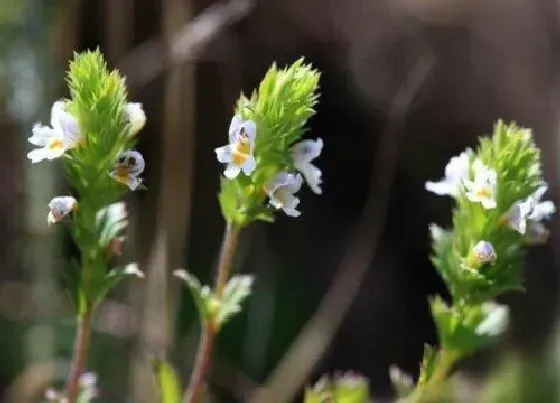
x,y
430,390
209,330
81,346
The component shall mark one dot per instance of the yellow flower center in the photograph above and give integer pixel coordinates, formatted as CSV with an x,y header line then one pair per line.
x,y
121,174
483,192
241,151
56,144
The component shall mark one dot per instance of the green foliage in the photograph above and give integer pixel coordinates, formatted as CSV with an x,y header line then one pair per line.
x,y
214,308
514,157
167,381
428,365
498,212
343,388
459,326
280,108
235,292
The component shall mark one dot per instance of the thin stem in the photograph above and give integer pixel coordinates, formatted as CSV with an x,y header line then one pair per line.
x,y
81,346
227,252
209,330
430,390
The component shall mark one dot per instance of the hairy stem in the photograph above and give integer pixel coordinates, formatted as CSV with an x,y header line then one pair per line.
x,y
430,391
209,330
79,356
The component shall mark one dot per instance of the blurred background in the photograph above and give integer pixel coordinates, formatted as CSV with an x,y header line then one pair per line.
x,y
406,84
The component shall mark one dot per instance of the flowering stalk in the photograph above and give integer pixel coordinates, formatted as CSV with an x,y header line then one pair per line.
x,y
499,213
265,166
92,133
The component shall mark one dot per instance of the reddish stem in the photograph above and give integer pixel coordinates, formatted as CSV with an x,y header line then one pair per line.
x,y
81,346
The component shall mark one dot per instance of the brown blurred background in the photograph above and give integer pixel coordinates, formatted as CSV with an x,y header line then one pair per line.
x,y
405,85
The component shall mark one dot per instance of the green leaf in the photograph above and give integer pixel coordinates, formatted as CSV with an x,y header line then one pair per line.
x,y
204,300
465,328
235,292
228,198
168,382
114,277
428,365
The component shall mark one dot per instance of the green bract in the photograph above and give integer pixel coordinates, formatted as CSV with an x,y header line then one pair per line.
x,y
512,154
280,108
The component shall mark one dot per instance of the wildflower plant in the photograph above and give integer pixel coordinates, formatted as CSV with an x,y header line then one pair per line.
x,y
265,164
92,133
498,213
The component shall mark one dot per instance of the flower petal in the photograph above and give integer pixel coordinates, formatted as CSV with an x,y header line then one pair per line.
x,y
38,155
224,154
234,128
250,165
42,135
306,151
136,117
312,176
232,171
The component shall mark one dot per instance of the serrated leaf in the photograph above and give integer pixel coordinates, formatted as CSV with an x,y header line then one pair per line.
x,y
167,381
228,198
428,364
203,298
235,292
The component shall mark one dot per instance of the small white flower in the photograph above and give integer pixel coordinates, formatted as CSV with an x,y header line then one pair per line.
x,y
303,153
60,207
456,171
128,168
483,188
484,252
54,141
136,117
238,154
281,191
496,320
525,216
132,269
115,214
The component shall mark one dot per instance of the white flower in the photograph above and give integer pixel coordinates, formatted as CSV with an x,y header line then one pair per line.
x,y
60,207
456,171
483,188
54,141
484,252
128,168
525,216
130,269
115,214
303,153
281,191
136,117
238,154
496,320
